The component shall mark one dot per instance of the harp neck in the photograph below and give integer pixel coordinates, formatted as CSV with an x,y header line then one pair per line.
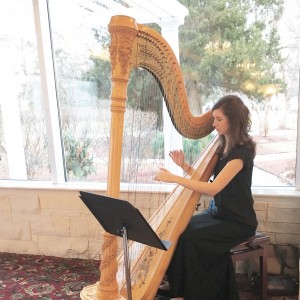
x,y
135,45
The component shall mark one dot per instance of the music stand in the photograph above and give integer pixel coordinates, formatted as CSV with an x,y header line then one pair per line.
x,y
121,218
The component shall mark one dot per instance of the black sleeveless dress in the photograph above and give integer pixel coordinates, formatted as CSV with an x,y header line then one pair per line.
x,y
201,267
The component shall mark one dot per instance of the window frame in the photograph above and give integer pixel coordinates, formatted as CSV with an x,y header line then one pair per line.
x,y
55,149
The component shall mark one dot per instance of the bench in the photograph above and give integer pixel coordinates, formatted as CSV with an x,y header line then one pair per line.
x,y
251,248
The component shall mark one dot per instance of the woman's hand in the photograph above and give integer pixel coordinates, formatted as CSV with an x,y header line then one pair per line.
x,y
178,157
164,175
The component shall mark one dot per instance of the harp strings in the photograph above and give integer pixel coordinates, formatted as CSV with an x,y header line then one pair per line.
x,y
143,149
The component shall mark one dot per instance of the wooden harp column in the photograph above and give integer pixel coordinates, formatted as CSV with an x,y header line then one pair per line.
x,y
135,45
123,35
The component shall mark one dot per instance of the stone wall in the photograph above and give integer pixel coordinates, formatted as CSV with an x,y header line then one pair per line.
x,y
279,218
56,222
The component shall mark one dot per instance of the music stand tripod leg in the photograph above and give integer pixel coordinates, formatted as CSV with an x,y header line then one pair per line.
x,y
126,262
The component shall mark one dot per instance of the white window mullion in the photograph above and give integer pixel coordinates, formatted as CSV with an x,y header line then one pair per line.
x,y
297,179
49,92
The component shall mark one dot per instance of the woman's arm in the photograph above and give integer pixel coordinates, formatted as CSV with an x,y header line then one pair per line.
x,y
208,188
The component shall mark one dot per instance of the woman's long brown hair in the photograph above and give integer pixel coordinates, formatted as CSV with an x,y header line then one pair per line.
x,y
238,116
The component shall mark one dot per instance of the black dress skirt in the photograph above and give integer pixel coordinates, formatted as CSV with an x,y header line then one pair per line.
x,y
201,267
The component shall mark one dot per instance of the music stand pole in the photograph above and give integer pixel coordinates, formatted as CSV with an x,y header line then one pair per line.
x,y
123,231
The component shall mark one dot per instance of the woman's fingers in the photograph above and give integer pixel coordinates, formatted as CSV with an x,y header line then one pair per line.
x,y
177,156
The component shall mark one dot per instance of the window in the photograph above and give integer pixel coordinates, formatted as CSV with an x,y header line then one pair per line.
x,y
56,125
23,143
276,122
82,68
251,50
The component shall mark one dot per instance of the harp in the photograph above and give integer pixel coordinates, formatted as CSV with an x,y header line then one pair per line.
x,y
135,45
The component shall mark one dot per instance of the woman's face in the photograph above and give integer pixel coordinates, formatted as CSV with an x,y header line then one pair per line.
x,y
221,122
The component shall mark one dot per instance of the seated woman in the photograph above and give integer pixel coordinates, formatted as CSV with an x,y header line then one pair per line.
x,y
201,267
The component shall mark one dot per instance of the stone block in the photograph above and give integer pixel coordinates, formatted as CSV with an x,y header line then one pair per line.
x,y
286,238
285,204
258,206
17,246
51,225
278,227
145,212
64,246
283,214
261,215
85,227
62,200
61,212
27,217
15,230
5,208
141,203
26,203
95,248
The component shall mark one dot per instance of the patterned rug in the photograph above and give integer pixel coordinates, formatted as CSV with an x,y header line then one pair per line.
x,y
50,278
44,277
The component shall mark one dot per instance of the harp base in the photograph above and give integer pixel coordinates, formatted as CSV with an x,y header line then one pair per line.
x,y
90,293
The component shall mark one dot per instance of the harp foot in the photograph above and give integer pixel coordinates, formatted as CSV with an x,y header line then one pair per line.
x,y
90,293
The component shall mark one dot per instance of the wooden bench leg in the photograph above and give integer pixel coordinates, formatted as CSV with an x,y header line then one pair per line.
x,y
264,275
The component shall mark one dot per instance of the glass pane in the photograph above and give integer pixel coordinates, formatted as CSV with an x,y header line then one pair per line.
x,y
253,51
83,87
275,122
23,146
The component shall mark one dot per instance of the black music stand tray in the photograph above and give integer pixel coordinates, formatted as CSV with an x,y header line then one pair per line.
x,y
121,218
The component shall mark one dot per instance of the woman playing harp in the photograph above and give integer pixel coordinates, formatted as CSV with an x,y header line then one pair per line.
x,y
134,45
201,267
